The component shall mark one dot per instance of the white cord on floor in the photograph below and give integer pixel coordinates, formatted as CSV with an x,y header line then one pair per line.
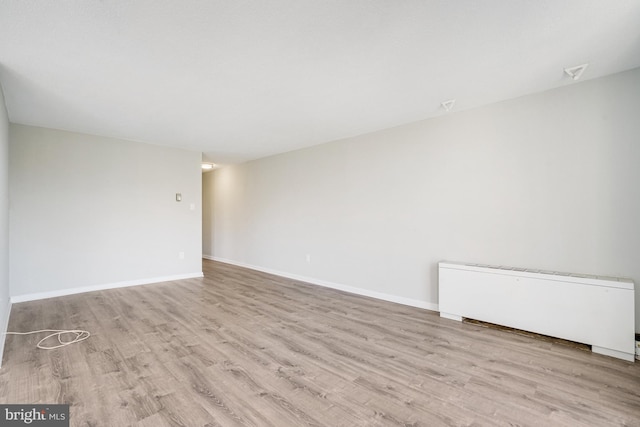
x,y
80,335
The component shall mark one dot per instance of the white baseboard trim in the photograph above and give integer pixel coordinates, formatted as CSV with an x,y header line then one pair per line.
x,y
4,324
451,316
629,357
102,287
350,289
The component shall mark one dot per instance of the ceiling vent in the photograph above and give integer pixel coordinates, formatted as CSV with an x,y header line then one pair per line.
x,y
448,105
576,72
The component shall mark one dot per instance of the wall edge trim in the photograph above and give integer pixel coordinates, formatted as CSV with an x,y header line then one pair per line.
x,y
4,325
338,286
82,289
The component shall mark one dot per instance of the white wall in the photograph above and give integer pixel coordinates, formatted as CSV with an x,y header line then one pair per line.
x,y
5,306
88,211
548,181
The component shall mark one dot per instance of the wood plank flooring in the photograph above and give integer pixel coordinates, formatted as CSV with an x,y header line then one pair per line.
x,y
243,348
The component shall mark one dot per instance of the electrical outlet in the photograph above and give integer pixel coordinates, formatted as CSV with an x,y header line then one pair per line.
x,y
309,258
180,255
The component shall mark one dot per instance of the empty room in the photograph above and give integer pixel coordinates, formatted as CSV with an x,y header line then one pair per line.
x,y
319,213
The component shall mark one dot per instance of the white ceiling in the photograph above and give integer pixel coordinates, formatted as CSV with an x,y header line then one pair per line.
x,y
241,80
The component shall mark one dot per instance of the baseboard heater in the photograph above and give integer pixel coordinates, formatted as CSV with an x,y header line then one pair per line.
x,y
594,310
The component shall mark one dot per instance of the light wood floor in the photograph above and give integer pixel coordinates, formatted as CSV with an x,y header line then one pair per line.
x,y
245,348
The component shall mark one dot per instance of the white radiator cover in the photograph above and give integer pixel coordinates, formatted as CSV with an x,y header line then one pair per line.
x,y
588,309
